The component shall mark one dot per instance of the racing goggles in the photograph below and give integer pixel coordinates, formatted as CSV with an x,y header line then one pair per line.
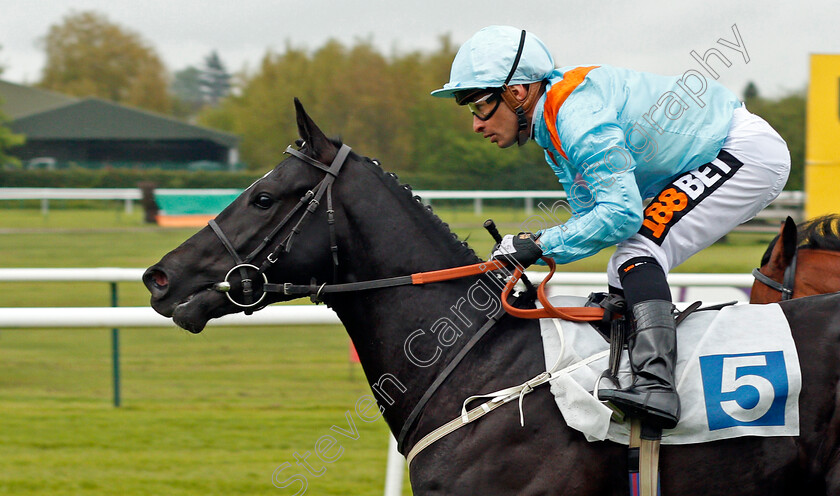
x,y
485,105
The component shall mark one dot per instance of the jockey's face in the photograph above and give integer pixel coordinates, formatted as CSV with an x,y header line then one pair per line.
x,y
502,127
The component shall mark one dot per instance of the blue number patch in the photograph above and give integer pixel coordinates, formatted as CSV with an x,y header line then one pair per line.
x,y
750,389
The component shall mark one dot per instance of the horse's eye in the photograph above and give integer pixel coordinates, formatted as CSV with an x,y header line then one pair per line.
x,y
264,201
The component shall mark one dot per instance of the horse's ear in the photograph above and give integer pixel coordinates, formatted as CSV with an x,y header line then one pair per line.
x,y
318,142
785,247
789,239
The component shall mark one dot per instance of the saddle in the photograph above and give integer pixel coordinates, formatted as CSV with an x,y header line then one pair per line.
x,y
732,380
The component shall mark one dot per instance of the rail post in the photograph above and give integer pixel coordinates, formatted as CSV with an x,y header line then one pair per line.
x,y
115,348
394,469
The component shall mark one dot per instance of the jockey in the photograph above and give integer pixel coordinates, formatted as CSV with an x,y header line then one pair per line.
x,y
616,138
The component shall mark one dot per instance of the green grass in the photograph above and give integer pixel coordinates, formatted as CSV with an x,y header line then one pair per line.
x,y
210,414
215,413
65,219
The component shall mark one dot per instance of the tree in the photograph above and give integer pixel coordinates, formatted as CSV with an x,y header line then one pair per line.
x,y
787,116
750,91
381,106
7,138
214,79
87,55
187,98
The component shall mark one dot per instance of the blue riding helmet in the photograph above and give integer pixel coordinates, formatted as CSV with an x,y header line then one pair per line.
x,y
486,59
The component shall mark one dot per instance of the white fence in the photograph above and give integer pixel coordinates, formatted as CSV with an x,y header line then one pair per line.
x,y
580,283
788,202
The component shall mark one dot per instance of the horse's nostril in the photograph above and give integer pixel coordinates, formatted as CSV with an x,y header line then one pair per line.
x,y
156,280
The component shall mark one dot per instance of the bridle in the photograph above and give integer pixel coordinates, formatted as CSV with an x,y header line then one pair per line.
x,y
786,286
311,200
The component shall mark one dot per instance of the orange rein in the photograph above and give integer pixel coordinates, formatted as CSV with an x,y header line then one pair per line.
x,y
575,314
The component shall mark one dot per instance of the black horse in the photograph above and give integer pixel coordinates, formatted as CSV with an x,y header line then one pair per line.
x,y
405,336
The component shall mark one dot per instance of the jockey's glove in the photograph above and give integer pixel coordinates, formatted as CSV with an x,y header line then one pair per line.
x,y
521,249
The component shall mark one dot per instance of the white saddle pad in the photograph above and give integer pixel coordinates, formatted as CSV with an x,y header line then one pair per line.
x,y
737,375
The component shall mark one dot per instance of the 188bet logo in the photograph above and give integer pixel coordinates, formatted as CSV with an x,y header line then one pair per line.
x,y
744,390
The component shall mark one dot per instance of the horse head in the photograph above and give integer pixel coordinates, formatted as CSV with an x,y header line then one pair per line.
x,y
801,261
223,269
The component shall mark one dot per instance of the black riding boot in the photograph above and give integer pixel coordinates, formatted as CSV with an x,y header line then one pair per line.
x,y
653,355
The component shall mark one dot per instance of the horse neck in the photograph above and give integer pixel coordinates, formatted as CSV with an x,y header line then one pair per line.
x,y
404,336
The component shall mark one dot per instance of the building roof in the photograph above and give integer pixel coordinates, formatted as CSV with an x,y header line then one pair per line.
x,y
43,115
19,101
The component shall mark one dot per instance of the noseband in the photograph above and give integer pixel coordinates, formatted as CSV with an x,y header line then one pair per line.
x,y
311,200
786,286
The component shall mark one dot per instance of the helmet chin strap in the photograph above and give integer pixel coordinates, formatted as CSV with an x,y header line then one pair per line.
x,y
523,108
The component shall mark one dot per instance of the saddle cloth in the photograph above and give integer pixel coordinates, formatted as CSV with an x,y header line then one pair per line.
x,y
737,374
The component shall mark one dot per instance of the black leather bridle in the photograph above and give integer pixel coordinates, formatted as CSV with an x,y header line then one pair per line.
x,y
312,199
786,286
246,266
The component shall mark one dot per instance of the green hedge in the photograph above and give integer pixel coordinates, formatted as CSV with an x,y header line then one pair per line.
x,y
123,178
129,178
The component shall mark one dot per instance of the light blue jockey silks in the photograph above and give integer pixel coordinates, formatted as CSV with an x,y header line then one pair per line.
x,y
623,135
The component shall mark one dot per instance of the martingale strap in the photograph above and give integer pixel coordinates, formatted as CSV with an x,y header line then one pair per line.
x,y
412,417
497,399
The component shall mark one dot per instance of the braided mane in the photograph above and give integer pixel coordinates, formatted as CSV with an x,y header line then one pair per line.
x,y
390,179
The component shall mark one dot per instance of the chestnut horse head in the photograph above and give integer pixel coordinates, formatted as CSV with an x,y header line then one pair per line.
x,y
802,260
